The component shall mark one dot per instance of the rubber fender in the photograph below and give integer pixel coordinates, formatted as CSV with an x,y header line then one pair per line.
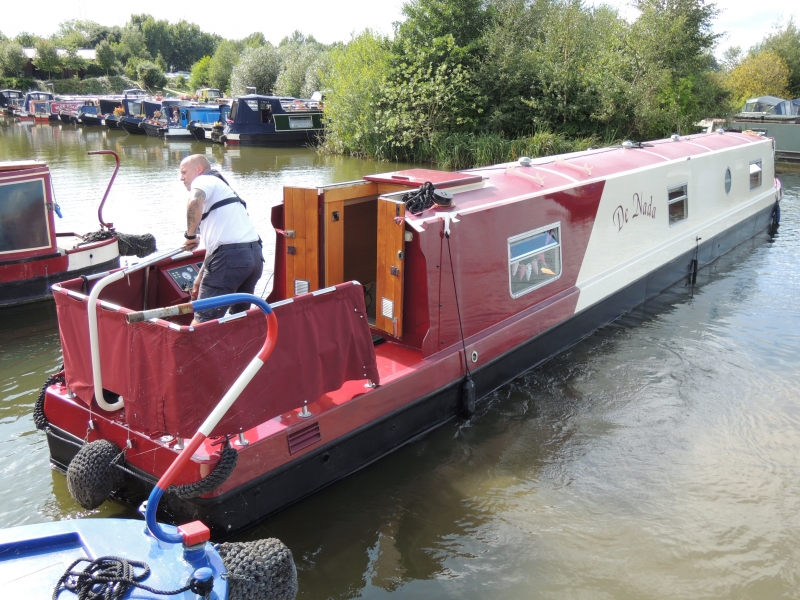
x,y
468,398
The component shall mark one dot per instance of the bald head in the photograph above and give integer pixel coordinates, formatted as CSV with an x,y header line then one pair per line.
x,y
191,167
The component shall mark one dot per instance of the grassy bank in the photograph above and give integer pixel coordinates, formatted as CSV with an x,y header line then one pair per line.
x,y
468,150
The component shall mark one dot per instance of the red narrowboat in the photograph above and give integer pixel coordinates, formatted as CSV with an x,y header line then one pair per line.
x,y
33,256
400,298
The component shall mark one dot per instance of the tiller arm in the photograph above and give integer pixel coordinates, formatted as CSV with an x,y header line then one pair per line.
x,y
222,407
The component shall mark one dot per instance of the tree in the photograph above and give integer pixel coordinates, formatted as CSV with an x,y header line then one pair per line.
x,y
786,44
259,68
298,56
150,75
47,57
199,77
132,44
26,40
72,61
81,34
762,74
158,38
254,40
353,87
190,44
221,64
12,58
106,57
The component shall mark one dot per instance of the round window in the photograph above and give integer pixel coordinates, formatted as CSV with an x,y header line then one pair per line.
x,y
727,181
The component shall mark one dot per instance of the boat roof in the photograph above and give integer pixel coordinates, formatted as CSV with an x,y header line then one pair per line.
x,y
482,188
770,100
20,165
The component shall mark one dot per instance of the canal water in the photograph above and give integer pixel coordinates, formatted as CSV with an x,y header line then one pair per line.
x,y
659,458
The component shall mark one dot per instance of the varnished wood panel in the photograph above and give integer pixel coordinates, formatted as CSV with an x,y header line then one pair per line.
x,y
390,243
301,216
334,242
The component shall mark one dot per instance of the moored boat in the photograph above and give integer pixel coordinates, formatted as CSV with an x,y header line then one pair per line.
x,y
409,295
256,120
10,100
33,255
776,118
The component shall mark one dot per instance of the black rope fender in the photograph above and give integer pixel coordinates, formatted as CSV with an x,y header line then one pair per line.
x,y
39,418
110,577
259,570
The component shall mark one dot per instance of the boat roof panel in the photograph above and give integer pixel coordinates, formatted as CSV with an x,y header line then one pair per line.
x,y
511,182
21,165
420,176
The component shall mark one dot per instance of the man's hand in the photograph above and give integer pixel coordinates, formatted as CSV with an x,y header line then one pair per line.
x,y
196,286
191,244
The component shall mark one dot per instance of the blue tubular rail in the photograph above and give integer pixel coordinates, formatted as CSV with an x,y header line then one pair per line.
x,y
222,406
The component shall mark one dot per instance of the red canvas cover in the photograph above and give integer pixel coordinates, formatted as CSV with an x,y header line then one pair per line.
x,y
170,380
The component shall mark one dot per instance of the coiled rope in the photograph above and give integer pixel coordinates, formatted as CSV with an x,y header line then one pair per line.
x,y
130,244
420,200
110,577
39,418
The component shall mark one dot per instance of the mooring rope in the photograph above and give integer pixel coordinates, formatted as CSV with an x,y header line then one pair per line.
x,y
110,577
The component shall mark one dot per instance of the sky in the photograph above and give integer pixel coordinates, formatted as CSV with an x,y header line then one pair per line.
x,y
744,22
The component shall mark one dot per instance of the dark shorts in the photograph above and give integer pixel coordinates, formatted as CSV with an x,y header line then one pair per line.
x,y
228,271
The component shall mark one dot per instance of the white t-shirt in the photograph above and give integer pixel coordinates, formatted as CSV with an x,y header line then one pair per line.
x,y
229,224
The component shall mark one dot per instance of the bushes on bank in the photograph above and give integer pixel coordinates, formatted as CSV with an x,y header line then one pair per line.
x,y
111,84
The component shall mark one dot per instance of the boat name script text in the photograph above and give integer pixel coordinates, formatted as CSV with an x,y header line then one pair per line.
x,y
640,208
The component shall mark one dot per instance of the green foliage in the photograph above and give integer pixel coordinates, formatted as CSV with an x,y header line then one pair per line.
x,y
12,58
72,61
761,74
428,93
254,40
189,44
199,77
221,64
150,75
80,34
18,83
132,45
106,57
353,86
785,43
93,85
26,40
258,67
47,57
301,61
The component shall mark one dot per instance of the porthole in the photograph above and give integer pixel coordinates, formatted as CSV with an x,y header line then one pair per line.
x,y
727,181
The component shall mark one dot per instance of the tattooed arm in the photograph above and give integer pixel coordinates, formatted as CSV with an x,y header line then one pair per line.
x,y
194,212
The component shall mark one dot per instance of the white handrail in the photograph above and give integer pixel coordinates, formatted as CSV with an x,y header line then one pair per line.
x,y
94,342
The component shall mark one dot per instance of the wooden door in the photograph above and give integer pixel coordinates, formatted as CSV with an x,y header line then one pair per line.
x,y
301,223
391,237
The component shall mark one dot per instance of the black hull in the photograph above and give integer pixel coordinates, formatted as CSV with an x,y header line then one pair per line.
x,y
271,492
38,288
88,120
131,127
199,134
112,124
151,130
287,138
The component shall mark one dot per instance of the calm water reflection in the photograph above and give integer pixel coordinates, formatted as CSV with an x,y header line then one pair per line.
x,y
658,459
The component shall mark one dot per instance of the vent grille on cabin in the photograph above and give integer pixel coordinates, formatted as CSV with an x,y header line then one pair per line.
x,y
303,438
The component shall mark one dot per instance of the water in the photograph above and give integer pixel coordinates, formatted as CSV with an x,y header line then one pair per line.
x,y
659,458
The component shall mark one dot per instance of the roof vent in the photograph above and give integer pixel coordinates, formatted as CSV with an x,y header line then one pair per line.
x,y
443,199
720,130
627,144
525,161
675,137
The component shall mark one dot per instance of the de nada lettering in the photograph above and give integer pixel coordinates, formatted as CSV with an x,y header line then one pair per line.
x,y
640,208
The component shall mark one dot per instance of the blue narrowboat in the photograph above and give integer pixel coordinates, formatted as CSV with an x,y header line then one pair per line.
x,y
257,120
175,118
133,103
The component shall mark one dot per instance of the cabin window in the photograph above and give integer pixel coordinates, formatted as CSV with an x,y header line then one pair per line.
x,y
678,200
234,108
23,216
728,181
755,174
534,259
253,104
